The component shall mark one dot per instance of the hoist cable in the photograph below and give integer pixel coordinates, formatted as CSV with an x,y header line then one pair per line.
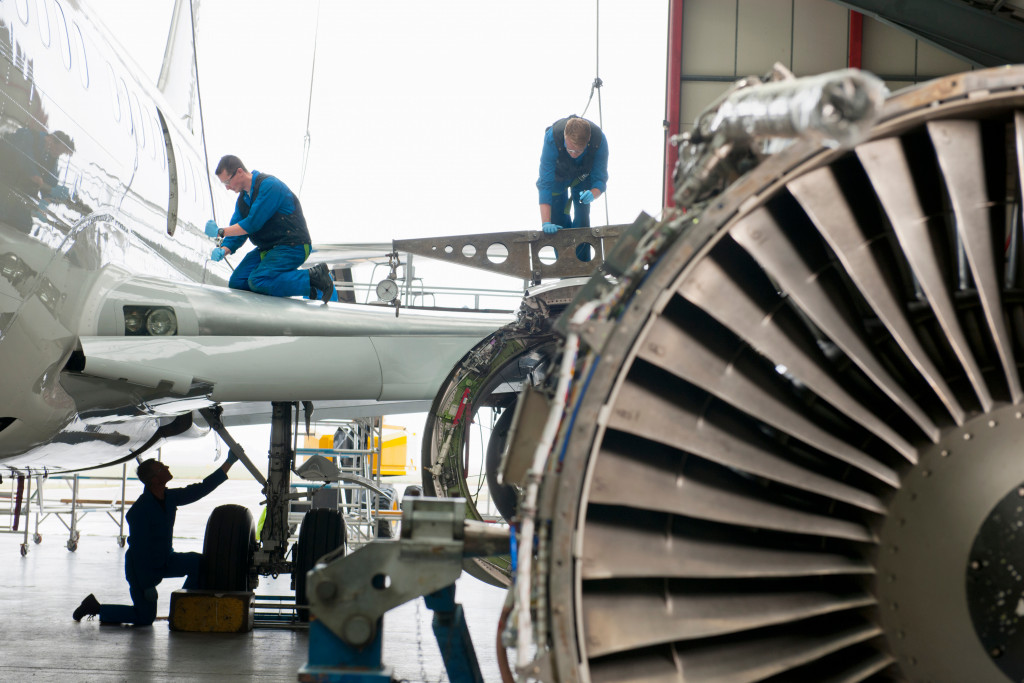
x,y
202,127
306,139
199,100
596,86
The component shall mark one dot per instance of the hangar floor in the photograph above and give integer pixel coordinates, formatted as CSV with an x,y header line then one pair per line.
x,y
41,642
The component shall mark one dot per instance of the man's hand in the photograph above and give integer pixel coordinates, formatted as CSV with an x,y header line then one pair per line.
x,y
551,228
232,458
218,253
211,228
586,196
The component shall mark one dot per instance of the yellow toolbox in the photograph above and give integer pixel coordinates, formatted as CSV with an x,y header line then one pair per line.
x,y
203,611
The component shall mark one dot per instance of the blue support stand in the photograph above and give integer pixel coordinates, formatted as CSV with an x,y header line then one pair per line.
x,y
453,638
331,660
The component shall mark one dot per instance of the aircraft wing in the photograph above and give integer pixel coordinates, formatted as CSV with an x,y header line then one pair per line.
x,y
230,345
282,368
348,255
125,383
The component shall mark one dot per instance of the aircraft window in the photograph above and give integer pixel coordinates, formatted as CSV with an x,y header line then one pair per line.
x,y
192,175
140,129
123,96
115,92
62,34
23,11
44,22
83,64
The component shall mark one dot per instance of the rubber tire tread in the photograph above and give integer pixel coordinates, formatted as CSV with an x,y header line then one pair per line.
x,y
322,530
504,496
227,549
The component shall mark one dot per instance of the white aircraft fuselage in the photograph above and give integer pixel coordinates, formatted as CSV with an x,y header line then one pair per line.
x,y
114,324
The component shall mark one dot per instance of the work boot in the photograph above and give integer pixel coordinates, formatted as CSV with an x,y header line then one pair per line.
x,y
89,607
320,279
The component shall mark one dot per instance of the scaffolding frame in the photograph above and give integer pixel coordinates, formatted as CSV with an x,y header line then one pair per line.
x,y
354,493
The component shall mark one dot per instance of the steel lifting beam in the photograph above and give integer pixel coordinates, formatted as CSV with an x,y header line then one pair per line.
x,y
519,254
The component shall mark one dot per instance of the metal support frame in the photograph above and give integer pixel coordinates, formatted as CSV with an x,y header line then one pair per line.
x,y
20,511
76,508
349,595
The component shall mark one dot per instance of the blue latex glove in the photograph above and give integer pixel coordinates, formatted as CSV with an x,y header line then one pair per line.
x,y
586,196
217,254
211,229
60,193
232,458
551,228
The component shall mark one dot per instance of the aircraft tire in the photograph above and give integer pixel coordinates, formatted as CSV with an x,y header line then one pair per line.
x,y
227,549
322,530
504,496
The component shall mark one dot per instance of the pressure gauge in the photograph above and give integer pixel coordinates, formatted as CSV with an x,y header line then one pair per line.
x,y
387,290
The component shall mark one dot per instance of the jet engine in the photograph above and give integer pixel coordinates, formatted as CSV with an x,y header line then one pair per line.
x,y
784,436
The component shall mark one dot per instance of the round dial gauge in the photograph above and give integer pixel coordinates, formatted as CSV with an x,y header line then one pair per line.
x,y
387,290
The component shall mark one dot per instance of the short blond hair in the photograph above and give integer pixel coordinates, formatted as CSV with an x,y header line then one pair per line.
x,y
578,130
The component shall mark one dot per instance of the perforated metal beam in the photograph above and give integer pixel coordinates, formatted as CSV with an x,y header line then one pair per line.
x,y
527,254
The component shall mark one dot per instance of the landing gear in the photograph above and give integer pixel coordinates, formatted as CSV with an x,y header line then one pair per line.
x,y
228,549
269,555
322,531
233,557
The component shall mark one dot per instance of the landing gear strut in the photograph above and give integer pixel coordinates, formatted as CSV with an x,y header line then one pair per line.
x,y
270,557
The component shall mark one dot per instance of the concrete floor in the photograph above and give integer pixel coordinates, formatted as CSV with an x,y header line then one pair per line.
x,y
41,642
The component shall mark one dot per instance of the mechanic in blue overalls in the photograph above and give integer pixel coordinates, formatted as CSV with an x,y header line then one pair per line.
x,y
269,215
151,557
573,165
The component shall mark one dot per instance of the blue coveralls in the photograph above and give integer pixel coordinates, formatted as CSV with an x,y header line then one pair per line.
x,y
151,557
555,190
270,268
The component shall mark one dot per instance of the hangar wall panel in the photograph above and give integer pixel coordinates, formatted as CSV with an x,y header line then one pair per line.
x,y
766,35
709,38
821,33
694,97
